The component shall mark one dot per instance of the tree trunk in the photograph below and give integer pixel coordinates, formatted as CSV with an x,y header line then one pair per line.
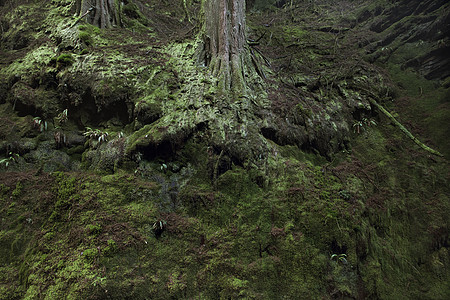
x,y
224,42
100,13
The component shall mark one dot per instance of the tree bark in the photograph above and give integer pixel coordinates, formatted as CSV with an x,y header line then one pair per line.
x,y
103,13
224,42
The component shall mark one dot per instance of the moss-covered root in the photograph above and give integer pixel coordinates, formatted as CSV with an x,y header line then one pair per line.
x,y
402,128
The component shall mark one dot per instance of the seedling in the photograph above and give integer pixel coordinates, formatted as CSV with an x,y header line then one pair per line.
x,y
12,157
159,227
40,124
339,258
359,126
62,117
97,134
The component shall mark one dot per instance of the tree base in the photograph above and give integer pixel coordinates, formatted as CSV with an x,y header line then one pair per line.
x,y
100,13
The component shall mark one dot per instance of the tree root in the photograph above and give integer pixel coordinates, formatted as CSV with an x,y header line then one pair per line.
x,y
402,128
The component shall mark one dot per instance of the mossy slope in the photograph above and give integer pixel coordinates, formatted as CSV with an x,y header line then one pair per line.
x,y
298,189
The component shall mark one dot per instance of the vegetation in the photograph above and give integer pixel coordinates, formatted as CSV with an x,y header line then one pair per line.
x,y
150,150
64,59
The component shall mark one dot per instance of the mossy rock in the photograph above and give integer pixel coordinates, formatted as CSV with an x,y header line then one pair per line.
x,y
147,112
34,101
86,38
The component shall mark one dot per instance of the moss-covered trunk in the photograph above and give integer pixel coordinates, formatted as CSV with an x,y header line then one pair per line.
x,y
224,42
100,13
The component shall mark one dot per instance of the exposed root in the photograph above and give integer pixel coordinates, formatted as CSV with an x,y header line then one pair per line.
x,y
402,128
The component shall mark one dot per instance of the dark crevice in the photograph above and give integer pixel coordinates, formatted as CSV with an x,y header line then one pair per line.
x,y
165,150
335,248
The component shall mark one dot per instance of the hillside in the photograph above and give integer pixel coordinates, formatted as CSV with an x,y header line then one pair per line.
x,y
127,173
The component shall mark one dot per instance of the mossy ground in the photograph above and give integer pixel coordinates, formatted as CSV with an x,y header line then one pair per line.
x,y
275,195
236,237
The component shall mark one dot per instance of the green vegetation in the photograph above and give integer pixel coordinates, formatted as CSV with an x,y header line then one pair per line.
x,y
96,134
139,180
64,60
85,37
12,157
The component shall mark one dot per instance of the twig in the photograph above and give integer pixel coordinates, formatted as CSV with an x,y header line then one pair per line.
x,y
256,42
259,70
84,15
262,55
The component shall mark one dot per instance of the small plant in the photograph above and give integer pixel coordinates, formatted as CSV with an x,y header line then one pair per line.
x,y
98,281
359,126
62,117
12,157
40,124
16,192
344,194
60,138
339,258
97,134
159,227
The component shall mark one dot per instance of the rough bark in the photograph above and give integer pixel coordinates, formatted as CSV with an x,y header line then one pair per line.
x,y
224,42
100,13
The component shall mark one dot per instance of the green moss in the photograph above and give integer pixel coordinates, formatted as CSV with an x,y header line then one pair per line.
x,y
135,19
93,229
131,10
83,52
304,111
427,104
293,32
66,195
110,249
4,189
411,82
31,64
65,59
143,137
263,231
85,37
16,192
91,29
11,208
90,254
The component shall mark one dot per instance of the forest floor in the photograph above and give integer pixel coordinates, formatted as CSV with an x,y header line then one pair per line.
x,y
154,188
